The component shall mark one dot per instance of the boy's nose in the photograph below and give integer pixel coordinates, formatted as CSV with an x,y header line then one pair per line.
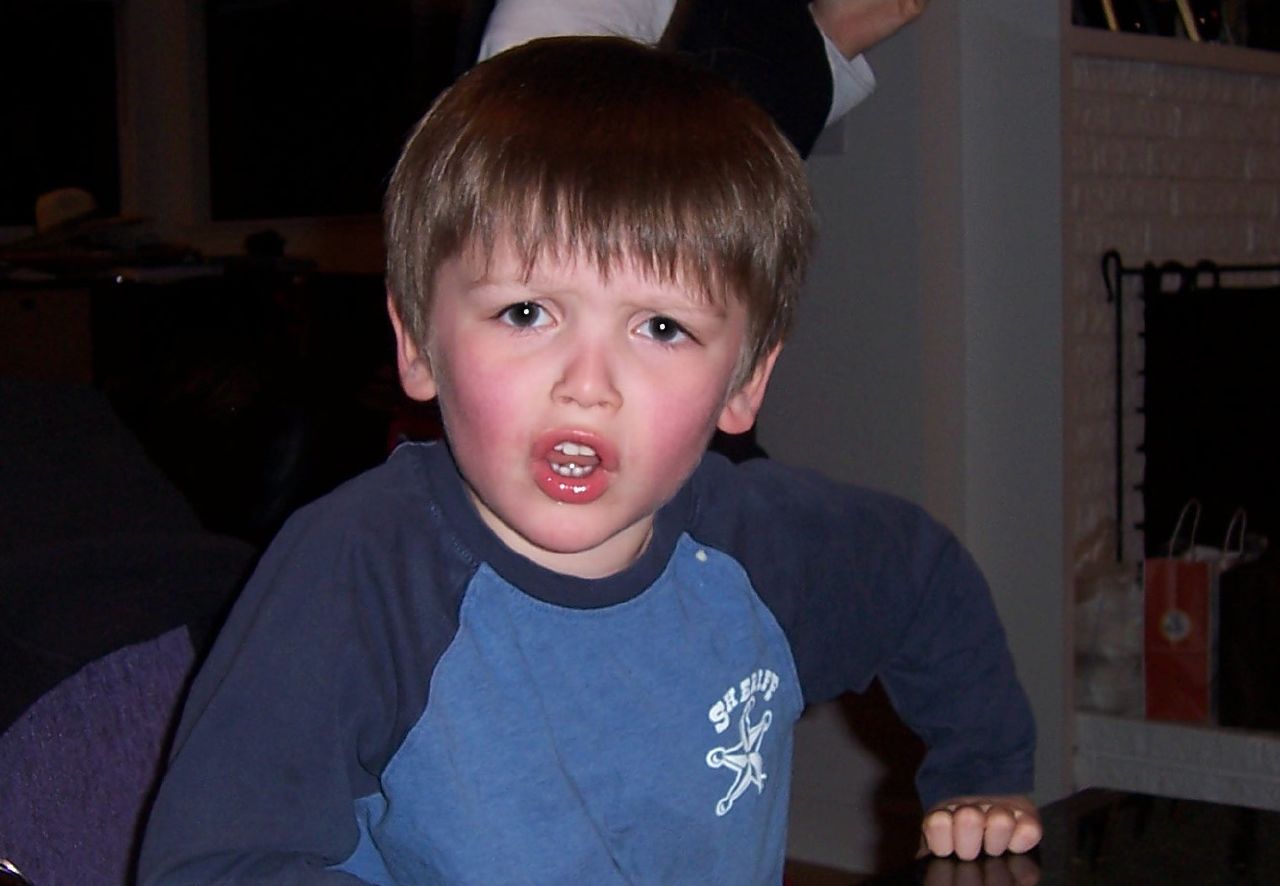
x,y
588,378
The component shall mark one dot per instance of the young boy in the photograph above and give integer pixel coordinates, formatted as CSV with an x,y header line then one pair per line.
x,y
568,646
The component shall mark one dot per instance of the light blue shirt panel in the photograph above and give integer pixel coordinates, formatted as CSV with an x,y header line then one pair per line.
x,y
565,745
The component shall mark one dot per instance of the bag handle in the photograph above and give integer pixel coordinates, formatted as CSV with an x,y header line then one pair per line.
x,y
1239,521
1191,507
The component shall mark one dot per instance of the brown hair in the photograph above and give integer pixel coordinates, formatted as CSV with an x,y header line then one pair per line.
x,y
601,147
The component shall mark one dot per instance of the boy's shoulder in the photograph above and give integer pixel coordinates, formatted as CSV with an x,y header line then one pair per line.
x,y
764,489
373,509
381,540
405,477
777,518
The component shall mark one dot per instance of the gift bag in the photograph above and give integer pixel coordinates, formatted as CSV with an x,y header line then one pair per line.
x,y
1180,595
1249,644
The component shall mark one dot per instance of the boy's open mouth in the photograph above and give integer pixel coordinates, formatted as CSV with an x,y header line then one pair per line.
x,y
573,466
573,460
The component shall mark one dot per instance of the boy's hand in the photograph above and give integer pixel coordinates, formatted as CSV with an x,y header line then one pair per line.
x,y
965,826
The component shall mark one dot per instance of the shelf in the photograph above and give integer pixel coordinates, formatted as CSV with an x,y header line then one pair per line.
x,y
1218,765
1170,50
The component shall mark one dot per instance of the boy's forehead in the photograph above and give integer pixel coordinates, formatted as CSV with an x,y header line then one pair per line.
x,y
548,263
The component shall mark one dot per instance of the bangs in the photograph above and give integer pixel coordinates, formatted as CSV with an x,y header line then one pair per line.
x,y
654,236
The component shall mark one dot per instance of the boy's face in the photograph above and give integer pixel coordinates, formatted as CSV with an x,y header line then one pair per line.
x,y
576,406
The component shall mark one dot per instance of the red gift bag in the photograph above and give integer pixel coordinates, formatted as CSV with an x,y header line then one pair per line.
x,y
1180,625
1178,638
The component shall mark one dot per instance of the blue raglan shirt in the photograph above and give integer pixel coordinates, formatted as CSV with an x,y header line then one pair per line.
x,y
399,698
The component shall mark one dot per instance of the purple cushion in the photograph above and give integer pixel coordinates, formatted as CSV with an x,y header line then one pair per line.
x,y
78,768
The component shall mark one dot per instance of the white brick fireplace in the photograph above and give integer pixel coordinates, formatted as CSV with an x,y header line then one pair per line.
x,y
1171,153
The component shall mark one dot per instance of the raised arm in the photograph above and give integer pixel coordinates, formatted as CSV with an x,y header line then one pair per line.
x,y
802,62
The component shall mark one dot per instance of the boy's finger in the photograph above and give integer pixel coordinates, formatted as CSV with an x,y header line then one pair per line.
x,y
1027,831
936,830
999,830
967,826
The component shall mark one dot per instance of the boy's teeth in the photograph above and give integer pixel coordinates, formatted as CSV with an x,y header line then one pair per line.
x,y
582,461
572,470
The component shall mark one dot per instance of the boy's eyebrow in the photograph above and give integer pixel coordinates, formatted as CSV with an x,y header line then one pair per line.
x,y
652,299
491,274
716,307
486,278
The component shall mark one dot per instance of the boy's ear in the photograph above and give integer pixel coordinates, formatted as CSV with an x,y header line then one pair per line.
x,y
739,412
416,377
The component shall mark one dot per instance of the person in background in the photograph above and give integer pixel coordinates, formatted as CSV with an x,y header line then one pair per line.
x,y
801,61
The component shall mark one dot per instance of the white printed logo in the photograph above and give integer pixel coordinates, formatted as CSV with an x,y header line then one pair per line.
x,y
744,758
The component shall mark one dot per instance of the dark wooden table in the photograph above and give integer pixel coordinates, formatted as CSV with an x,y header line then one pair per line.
x,y
1115,838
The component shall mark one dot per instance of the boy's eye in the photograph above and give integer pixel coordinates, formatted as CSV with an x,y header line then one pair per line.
x,y
663,329
524,315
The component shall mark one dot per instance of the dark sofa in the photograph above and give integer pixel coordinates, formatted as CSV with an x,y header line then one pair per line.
x,y
110,589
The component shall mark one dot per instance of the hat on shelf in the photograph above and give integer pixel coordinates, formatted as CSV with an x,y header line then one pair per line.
x,y
62,207
71,217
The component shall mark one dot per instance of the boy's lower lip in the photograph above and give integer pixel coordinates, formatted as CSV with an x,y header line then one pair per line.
x,y
570,490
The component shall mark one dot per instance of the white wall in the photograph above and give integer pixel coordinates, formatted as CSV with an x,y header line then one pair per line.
x,y
928,355
1014,366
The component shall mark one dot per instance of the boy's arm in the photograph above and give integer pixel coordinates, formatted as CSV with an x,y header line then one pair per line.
x,y
952,678
893,595
266,766
867,586
966,826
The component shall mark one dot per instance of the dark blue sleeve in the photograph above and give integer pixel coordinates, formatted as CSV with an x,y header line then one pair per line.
x,y
320,671
868,586
948,671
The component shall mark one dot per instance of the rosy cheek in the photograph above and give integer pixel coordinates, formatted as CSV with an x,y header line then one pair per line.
x,y
504,400
677,433
477,410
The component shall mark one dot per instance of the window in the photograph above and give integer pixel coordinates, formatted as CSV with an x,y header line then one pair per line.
x,y
57,103
310,100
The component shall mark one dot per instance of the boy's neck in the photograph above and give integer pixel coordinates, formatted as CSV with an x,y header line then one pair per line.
x,y
615,555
